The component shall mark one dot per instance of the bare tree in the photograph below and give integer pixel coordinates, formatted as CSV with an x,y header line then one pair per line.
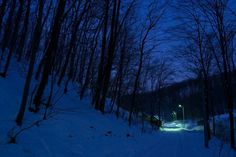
x,y
161,74
155,12
215,12
209,35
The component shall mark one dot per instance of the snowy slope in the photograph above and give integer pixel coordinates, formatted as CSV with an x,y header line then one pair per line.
x,y
77,130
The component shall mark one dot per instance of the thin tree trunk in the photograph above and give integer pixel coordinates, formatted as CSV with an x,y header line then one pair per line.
x,y
71,72
136,83
91,58
33,50
206,113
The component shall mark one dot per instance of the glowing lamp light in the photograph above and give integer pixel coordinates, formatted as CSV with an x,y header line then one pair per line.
x,y
182,107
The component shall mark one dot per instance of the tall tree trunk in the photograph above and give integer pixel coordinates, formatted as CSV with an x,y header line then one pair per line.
x,y
206,112
50,52
39,69
136,85
98,85
121,74
230,103
2,11
8,29
32,51
224,42
24,31
111,52
13,37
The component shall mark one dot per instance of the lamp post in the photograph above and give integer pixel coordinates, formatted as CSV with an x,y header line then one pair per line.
x,y
182,107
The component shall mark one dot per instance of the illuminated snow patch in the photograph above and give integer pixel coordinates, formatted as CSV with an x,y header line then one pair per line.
x,y
171,129
177,126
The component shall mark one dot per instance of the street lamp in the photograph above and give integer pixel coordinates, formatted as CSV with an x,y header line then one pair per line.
x,y
181,106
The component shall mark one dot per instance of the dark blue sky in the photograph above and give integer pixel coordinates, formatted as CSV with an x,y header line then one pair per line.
x,y
167,42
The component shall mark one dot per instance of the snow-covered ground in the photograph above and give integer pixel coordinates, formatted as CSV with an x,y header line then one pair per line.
x,y
77,130
222,126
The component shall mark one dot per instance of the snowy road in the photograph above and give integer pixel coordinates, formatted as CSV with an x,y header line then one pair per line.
x,y
87,133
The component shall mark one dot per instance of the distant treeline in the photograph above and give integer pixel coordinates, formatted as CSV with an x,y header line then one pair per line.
x,y
188,93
